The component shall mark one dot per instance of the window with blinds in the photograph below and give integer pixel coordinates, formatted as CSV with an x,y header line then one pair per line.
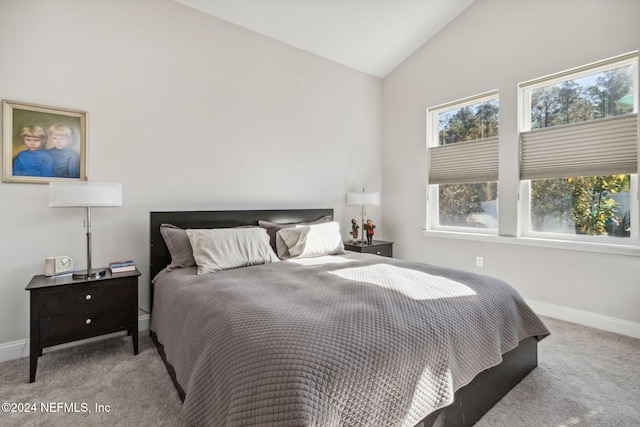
x,y
462,151
579,153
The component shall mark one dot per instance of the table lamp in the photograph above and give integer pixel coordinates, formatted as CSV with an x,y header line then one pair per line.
x,y
85,194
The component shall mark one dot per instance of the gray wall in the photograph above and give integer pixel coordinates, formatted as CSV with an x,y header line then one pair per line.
x,y
496,44
187,112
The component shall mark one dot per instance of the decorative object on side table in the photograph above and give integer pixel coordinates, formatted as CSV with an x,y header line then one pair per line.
x,y
363,199
121,266
58,265
86,194
354,230
65,309
369,227
377,247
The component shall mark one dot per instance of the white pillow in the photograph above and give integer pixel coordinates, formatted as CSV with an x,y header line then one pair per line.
x,y
225,248
310,241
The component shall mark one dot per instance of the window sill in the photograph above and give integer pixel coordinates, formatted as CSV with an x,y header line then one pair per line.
x,y
605,248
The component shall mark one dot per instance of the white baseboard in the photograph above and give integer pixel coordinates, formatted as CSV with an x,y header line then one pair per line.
x,y
14,350
586,318
17,349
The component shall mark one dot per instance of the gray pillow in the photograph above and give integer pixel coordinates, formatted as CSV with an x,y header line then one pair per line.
x,y
310,241
179,246
226,248
273,228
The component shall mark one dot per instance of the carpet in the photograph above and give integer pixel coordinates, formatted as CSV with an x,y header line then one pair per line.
x,y
585,377
102,384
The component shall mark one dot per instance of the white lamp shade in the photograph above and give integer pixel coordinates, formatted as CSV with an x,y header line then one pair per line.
x,y
84,193
362,198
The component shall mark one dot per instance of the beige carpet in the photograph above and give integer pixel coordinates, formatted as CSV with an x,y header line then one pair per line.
x,y
585,377
137,389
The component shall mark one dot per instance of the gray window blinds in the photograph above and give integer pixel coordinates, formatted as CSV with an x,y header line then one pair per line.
x,y
599,147
464,162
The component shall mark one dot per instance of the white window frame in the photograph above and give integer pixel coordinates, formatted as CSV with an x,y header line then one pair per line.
x,y
524,124
525,216
432,132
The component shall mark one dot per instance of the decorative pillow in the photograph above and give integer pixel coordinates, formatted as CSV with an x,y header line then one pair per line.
x,y
225,248
273,228
311,241
179,246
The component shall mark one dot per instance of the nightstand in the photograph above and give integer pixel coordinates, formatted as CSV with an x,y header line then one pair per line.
x,y
64,309
378,247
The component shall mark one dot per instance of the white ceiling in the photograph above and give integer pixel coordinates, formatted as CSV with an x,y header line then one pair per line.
x,y
372,36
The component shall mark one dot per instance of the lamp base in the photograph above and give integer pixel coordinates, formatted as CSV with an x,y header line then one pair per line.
x,y
360,243
91,274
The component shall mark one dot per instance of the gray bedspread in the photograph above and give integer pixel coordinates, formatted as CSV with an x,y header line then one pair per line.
x,y
345,340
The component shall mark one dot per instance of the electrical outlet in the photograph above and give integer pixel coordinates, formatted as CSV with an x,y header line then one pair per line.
x,y
479,261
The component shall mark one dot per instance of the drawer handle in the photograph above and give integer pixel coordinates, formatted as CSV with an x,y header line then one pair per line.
x,y
88,321
88,297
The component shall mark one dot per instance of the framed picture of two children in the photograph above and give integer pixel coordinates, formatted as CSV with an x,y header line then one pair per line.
x,y
43,144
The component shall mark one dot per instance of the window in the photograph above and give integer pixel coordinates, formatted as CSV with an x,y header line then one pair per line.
x,y
462,140
579,153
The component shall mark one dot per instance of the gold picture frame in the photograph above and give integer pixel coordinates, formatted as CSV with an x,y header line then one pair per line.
x,y
43,144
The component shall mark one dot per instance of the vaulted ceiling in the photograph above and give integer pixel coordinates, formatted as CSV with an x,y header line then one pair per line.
x,y
372,36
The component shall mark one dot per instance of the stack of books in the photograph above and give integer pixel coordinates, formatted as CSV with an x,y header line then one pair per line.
x,y
120,266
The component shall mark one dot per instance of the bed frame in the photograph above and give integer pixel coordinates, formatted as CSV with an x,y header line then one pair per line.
x,y
470,403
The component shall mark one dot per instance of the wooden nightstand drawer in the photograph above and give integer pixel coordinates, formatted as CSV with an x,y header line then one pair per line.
x,y
81,297
75,326
377,247
378,250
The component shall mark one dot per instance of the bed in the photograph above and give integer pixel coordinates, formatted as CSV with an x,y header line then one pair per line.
x,y
336,339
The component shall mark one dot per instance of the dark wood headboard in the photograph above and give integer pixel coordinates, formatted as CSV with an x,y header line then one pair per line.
x,y
160,256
